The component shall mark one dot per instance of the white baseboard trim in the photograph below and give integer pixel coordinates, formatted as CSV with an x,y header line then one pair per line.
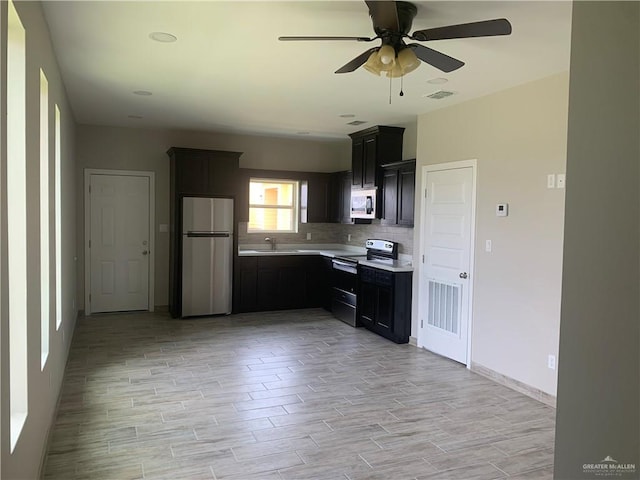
x,y
514,384
413,341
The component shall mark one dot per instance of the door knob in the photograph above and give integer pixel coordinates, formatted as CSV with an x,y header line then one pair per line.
x,y
463,275
144,252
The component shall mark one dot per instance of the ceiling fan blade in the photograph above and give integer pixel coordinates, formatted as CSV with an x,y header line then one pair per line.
x,y
437,59
384,14
356,62
486,28
298,39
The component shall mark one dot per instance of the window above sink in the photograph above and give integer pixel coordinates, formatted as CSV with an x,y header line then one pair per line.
x,y
273,206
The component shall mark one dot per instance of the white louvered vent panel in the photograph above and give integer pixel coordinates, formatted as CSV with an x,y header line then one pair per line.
x,y
444,306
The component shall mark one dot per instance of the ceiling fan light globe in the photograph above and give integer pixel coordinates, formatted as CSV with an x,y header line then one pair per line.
x,y
396,72
407,60
387,54
373,64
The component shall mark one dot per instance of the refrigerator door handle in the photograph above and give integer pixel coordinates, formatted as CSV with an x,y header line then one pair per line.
x,y
209,234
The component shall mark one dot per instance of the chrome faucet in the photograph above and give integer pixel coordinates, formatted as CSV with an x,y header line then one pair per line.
x,y
272,241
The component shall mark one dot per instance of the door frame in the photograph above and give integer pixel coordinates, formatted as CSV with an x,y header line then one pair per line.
x,y
422,306
87,229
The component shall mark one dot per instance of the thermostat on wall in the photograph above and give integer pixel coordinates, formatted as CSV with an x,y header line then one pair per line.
x,y
502,210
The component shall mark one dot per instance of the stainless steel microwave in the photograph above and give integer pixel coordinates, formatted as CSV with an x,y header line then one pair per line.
x,y
363,203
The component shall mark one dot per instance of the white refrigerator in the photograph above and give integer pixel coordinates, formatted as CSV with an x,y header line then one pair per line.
x,y
207,255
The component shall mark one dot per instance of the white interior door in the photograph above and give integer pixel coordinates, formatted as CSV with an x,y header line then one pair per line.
x,y
119,242
445,280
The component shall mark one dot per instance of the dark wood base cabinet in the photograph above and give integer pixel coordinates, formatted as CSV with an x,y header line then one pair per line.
x,y
278,283
384,303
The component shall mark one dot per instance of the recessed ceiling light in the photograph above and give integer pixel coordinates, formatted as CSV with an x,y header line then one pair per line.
x,y
135,117
437,81
142,93
347,115
356,122
162,37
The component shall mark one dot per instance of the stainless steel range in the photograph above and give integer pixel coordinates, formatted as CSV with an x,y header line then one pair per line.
x,y
344,295
344,281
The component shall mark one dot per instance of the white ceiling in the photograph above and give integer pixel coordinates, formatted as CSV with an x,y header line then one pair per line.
x,y
228,71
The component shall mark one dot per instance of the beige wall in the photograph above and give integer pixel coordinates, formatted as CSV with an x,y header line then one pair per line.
x,y
43,386
518,136
599,375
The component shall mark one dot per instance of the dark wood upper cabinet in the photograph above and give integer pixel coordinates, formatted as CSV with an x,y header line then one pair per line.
x,y
371,148
205,172
357,160
340,197
398,193
316,198
406,196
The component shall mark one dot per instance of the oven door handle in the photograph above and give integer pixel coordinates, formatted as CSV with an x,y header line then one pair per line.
x,y
344,264
345,267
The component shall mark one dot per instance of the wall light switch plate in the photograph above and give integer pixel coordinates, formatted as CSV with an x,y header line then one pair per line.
x,y
502,210
551,362
487,246
551,181
560,180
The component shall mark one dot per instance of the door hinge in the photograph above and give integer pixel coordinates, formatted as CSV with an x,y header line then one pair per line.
x,y
422,258
421,323
425,193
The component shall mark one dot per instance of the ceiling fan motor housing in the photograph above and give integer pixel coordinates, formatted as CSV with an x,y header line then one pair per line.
x,y
398,26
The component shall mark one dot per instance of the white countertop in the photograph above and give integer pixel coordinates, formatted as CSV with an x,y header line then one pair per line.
x,y
403,264
399,265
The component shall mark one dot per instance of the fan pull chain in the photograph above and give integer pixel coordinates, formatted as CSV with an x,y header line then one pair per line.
x,y
390,80
401,86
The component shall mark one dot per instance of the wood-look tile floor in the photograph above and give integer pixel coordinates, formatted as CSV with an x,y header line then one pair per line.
x,y
282,395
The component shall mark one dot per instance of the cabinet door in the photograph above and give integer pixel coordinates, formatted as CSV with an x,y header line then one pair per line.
x,y
390,197
222,176
292,288
268,289
246,285
406,197
318,195
345,203
367,304
384,309
357,159
317,281
369,163
192,174
325,288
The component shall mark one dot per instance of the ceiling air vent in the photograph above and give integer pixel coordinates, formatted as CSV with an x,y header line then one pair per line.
x,y
440,95
356,122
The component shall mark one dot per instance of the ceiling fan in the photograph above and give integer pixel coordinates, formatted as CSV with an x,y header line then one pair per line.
x,y
395,58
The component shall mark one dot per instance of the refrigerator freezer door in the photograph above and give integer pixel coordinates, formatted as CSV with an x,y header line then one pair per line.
x,y
206,275
207,214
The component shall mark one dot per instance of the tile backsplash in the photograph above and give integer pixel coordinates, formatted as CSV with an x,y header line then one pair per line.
x,y
335,233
